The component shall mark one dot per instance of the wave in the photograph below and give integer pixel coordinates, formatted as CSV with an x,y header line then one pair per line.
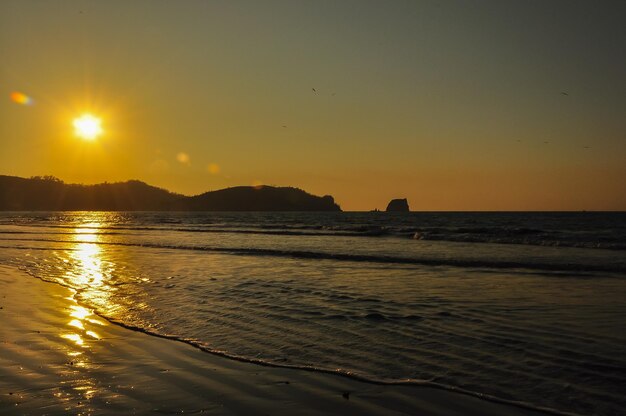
x,y
522,239
478,234
345,373
373,232
370,258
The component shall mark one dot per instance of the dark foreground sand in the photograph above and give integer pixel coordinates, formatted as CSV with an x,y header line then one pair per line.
x,y
56,357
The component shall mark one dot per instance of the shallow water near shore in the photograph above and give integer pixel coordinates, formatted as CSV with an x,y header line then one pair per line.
x,y
526,307
58,357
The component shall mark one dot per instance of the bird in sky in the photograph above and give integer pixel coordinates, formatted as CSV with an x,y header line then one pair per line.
x,y
564,93
313,89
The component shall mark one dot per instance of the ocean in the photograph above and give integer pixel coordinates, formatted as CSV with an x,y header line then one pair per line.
x,y
524,307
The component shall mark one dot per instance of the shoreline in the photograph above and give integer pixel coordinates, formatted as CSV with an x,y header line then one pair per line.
x,y
59,357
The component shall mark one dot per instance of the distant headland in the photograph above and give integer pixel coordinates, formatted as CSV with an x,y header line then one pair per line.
x,y
48,193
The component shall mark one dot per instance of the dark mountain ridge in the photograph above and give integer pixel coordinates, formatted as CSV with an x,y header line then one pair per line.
x,y
51,194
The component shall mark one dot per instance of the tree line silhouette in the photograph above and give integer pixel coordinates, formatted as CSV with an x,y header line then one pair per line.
x,y
48,193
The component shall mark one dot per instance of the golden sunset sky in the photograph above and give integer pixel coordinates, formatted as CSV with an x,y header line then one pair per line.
x,y
454,105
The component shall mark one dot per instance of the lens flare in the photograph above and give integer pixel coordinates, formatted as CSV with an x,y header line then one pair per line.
x,y
213,168
183,158
21,98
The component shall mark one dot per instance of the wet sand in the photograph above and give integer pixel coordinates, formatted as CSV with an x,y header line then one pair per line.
x,y
57,357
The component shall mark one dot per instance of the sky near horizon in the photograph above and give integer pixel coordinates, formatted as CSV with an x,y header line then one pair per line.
x,y
455,105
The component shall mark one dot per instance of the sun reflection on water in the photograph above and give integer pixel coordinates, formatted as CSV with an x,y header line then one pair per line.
x,y
80,320
89,263
88,273
80,351
76,323
79,312
92,334
97,275
75,338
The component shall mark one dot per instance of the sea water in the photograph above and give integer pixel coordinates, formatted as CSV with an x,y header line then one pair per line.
x,y
524,307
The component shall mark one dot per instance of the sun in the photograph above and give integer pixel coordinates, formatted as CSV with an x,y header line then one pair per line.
x,y
87,127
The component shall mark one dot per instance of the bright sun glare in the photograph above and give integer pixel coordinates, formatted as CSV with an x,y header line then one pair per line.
x,y
87,127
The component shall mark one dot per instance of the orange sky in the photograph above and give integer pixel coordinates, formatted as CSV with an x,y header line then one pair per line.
x,y
452,105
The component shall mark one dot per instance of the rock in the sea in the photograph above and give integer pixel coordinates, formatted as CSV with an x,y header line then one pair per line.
x,y
398,205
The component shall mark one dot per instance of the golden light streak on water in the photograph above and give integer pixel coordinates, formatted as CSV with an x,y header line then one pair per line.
x,y
76,323
79,312
92,334
75,338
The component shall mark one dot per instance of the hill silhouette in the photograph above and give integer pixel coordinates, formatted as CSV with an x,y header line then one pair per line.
x,y
260,198
51,194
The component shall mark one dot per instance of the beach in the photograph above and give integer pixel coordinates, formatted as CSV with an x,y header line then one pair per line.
x,y
345,313
58,357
